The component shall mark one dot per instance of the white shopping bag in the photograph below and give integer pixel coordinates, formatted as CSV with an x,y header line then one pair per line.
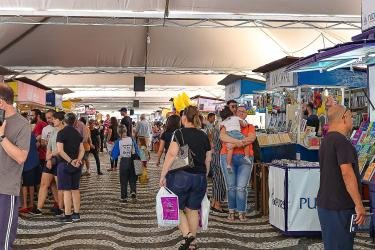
x,y
204,213
167,209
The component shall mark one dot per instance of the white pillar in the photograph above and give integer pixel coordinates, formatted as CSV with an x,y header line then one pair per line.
x,y
342,96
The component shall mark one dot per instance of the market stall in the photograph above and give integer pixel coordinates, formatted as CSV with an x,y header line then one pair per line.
x,y
28,94
242,89
289,146
360,52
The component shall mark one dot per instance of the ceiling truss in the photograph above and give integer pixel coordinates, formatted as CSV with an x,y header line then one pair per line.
x,y
25,70
234,21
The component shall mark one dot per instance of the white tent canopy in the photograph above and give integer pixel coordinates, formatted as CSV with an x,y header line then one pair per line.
x,y
173,42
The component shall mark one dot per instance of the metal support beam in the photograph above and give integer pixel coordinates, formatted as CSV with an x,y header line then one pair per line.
x,y
166,11
23,35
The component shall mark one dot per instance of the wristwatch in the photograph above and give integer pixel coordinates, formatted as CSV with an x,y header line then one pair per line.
x,y
2,137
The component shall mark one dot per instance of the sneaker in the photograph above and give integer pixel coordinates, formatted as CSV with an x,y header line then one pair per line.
x,y
24,210
124,200
133,195
35,211
59,212
76,217
66,219
100,173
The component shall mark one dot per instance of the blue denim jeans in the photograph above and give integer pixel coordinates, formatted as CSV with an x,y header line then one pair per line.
x,y
237,181
335,229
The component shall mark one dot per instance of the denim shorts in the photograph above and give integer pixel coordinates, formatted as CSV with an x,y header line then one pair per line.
x,y
236,134
190,188
68,180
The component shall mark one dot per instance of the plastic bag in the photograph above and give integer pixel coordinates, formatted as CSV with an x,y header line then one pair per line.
x,y
167,209
143,178
204,213
138,165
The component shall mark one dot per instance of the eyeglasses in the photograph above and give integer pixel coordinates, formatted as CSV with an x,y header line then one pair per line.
x,y
346,110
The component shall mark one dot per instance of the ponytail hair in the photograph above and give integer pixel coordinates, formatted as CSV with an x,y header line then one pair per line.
x,y
192,116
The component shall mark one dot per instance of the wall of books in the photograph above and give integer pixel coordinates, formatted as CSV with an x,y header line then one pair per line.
x,y
364,141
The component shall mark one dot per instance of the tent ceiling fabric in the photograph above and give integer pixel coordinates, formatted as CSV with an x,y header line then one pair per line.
x,y
204,54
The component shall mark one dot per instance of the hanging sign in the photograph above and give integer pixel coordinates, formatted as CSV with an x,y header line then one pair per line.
x,y
28,93
279,78
233,90
368,14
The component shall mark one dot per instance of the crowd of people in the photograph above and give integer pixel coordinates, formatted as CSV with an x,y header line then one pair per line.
x,y
47,152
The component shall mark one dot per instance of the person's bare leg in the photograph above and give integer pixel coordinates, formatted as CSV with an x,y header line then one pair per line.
x,y
87,161
24,196
193,221
54,190
76,200
68,202
184,224
31,196
43,189
60,196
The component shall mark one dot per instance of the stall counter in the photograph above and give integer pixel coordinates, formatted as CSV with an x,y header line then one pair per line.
x,y
292,199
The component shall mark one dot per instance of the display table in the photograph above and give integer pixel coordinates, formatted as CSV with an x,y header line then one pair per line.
x,y
292,199
288,151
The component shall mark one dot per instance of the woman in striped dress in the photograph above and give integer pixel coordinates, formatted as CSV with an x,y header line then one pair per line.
x,y
218,183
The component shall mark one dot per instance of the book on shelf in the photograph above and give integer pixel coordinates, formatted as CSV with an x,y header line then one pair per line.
x,y
365,227
362,161
370,171
356,135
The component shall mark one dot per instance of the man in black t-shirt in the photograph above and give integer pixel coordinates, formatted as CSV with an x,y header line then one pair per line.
x,y
126,121
339,193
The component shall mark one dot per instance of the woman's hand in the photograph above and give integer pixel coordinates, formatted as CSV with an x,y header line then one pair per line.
x,y
163,181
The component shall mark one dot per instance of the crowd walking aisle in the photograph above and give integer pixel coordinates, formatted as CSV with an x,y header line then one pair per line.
x,y
106,223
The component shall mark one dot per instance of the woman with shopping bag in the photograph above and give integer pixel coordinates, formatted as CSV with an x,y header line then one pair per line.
x,y
185,172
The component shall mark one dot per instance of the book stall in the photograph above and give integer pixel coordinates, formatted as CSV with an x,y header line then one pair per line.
x,y
358,53
243,90
290,147
28,94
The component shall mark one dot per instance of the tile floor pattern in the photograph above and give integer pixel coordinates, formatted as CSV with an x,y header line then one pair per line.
x,y
108,224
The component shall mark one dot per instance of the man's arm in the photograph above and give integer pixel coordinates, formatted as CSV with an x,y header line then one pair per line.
x,y
61,152
351,185
14,152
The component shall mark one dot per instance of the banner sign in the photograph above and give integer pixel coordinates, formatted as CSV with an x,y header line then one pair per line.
x,y
280,78
368,14
233,90
276,180
303,186
28,93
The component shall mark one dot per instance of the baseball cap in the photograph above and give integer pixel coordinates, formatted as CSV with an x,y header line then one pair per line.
x,y
123,110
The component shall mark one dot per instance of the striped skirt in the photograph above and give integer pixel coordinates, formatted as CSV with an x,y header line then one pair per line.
x,y
218,184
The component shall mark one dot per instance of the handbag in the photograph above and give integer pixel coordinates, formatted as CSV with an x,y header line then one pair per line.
x,y
137,160
184,158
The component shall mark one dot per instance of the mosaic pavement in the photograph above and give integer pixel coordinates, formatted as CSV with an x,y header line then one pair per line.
x,y
108,224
